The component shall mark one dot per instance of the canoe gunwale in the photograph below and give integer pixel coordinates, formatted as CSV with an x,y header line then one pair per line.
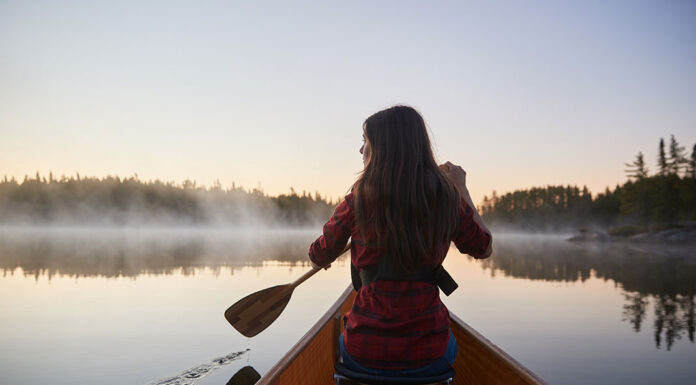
x,y
296,350
521,370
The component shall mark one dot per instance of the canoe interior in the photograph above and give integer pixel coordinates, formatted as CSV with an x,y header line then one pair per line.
x,y
311,360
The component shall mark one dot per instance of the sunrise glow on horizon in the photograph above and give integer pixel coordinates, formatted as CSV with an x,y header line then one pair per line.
x,y
273,95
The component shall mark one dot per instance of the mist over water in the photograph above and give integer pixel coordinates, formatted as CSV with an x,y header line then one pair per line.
x,y
127,252
131,202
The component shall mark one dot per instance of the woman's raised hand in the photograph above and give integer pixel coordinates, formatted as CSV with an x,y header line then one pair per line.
x,y
317,267
455,173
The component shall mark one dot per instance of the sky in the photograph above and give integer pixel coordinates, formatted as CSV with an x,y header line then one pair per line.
x,y
274,93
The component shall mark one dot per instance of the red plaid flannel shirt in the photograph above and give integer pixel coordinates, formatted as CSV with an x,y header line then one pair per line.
x,y
394,325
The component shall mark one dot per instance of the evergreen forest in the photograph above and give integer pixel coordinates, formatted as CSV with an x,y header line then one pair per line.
x,y
645,202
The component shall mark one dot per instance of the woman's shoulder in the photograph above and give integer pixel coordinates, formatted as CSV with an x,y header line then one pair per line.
x,y
347,202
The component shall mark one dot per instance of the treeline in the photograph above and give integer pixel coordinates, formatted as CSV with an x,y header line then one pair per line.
x,y
646,201
113,201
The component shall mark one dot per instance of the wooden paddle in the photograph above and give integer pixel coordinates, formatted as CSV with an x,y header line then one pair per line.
x,y
254,313
245,376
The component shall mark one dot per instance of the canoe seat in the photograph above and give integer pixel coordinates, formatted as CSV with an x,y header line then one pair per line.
x,y
345,376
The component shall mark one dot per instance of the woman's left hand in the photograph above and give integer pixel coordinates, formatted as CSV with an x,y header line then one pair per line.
x,y
317,267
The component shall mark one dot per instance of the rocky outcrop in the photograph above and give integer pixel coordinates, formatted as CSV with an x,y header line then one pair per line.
x,y
677,235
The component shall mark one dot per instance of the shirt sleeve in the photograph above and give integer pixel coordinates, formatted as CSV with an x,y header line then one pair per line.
x,y
335,235
470,237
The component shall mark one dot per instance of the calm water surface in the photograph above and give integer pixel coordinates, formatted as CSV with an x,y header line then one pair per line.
x,y
136,307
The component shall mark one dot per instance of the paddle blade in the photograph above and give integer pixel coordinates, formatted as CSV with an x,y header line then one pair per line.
x,y
254,313
245,376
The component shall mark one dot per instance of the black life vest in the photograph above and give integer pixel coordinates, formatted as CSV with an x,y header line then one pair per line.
x,y
435,275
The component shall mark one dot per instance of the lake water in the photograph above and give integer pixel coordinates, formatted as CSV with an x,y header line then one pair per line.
x,y
138,307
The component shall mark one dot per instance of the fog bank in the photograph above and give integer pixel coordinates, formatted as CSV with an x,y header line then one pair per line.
x,y
112,201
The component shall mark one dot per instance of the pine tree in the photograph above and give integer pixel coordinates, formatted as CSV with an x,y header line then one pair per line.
x,y
637,169
677,157
691,165
661,158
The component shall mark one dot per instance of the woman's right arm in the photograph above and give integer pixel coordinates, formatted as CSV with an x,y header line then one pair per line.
x,y
479,221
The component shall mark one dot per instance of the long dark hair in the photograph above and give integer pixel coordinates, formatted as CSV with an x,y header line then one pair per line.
x,y
413,206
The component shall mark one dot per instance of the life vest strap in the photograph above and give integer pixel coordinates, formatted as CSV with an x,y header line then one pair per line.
x,y
436,275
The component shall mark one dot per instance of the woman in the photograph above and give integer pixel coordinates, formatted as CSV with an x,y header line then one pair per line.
x,y
402,214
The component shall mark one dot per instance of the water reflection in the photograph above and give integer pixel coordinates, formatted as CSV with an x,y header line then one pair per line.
x,y
664,276
129,253
654,279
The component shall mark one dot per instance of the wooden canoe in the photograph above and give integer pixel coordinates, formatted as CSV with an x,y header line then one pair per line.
x,y
311,360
